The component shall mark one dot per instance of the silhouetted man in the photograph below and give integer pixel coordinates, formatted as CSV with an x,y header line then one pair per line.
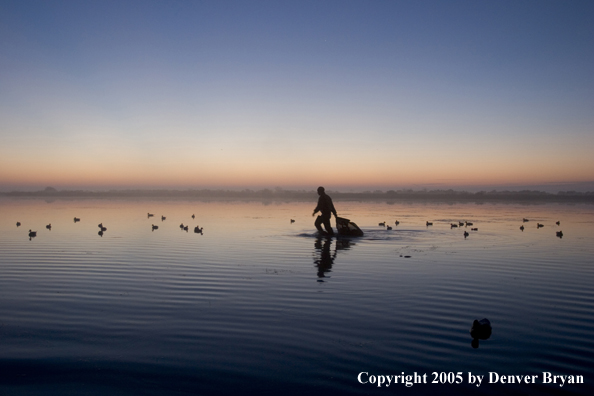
x,y
326,207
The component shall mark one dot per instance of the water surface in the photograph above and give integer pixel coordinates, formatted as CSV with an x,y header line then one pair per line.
x,y
259,304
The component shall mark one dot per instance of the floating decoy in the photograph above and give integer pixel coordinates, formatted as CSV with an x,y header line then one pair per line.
x,y
524,220
558,223
396,222
560,234
452,225
292,221
32,234
474,229
76,219
460,223
193,217
181,225
382,224
100,233
103,228
186,228
468,224
49,226
155,227
163,218
18,223
480,330
198,230
428,223
100,225
149,215
466,234
538,225
522,227
388,228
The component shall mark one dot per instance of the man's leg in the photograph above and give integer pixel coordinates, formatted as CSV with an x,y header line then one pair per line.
x,y
328,225
319,221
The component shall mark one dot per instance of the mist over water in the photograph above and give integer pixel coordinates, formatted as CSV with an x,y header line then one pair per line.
x,y
259,304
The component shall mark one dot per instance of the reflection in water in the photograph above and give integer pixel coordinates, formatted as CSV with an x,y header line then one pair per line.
x,y
324,257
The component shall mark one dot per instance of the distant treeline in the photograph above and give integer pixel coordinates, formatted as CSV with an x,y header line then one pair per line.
x,y
279,194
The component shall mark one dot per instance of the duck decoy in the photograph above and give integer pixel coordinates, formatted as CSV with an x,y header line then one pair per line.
x,y
186,228
149,215
100,225
49,226
181,226
100,233
198,230
474,229
163,218
428,223
538,225
32,234
452,225
396,222
522,227
155,227
558,223
193,217
466,234
388,228
560,234
524,220
76,219
292,221
18,223
382,224
460,223
480,330
468,224
103,228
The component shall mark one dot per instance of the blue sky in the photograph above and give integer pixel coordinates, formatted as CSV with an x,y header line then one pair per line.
x,y
261,94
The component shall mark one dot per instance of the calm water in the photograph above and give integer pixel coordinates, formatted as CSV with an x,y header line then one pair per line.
x,y
257,304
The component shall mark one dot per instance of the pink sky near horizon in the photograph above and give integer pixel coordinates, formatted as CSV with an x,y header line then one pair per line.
x,y
351,96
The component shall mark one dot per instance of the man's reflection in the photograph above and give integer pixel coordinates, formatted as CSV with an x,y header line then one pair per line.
x,y
324,256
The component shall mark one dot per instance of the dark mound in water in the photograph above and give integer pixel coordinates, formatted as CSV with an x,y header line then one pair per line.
x,y
480,330
347,227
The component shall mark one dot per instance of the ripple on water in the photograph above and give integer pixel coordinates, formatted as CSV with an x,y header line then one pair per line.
x,y
241,308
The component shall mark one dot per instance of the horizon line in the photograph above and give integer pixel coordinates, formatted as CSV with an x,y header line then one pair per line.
x,y
267,193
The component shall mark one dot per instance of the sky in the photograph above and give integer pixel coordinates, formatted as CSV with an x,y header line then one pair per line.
x,y
352,95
